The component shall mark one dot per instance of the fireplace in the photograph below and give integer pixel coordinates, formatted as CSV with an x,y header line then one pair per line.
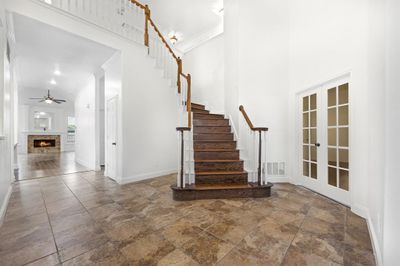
x,y
44,143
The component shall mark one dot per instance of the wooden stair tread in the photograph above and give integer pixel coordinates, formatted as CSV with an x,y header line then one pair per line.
x,y
217,141
208,119
218,161
213,133
219,186
212,126
214,150
214,113
221,173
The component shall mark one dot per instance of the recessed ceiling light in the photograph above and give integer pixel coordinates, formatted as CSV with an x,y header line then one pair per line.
x,y
57,72
42,113
53,82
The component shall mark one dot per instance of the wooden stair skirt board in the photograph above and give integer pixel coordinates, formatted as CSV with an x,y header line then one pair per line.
x,y
197,192
219,172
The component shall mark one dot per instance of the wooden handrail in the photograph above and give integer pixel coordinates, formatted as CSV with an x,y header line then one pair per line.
x,y
163,40
178,60
246,117
138,4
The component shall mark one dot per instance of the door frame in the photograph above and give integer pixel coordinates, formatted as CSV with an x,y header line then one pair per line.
x,y
321,89
107,152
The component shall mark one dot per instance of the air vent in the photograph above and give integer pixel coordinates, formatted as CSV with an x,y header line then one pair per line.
x,y
276,169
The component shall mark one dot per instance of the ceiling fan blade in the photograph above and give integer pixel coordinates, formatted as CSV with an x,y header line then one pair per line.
x,y
35,98
60,100
42,100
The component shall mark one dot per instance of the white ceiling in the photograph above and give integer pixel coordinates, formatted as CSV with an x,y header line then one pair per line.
x,y
41,49
189,17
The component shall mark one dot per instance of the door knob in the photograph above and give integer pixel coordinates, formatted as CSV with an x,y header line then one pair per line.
x,y
317,144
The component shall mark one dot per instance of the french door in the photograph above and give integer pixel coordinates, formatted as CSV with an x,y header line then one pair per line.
x,y
324,130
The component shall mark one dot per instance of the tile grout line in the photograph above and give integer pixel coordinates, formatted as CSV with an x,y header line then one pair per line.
x,y
62,178
36,260
51,227
290,244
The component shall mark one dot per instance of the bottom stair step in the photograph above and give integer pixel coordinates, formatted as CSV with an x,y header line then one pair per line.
x,y
221,177
219,191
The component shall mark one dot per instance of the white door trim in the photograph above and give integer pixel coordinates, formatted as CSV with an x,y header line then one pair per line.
x,y
315,185
111,174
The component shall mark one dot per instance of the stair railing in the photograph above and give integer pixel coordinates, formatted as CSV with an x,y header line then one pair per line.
x,y
132,20
252,152
159,48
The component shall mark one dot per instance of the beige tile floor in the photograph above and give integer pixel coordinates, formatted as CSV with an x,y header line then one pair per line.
x,y
85,218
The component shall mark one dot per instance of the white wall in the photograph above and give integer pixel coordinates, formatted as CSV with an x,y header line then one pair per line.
x,y
391,232
256,69
100,116
85,117
275,49
6,121
206,65
149,115
321,49
231,58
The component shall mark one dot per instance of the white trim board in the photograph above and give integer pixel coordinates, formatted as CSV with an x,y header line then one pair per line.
x,y
144,176
374,242
3,208
279,179
199,39
86,164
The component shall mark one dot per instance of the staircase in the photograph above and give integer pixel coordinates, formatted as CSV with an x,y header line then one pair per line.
x,y
219,171
210,145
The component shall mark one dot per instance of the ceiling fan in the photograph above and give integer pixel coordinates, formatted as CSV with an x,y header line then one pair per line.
x,y
48,99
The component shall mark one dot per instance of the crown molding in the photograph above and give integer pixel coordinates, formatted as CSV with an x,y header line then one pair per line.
x,y
190,44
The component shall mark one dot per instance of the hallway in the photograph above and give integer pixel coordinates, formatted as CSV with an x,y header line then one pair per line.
x,y
37,165
86,218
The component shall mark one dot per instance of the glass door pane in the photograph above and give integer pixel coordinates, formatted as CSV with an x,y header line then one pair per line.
x,y
309,130
338,137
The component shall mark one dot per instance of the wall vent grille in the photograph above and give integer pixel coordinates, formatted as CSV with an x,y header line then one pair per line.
x,y
276,168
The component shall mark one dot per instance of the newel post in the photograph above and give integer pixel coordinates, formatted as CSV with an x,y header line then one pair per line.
x,y
182,157
260,130
146,25
178,80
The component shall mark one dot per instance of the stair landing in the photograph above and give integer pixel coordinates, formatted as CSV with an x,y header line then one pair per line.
x,y
219,172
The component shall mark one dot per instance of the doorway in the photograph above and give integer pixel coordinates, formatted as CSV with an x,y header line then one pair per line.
x,y
324,115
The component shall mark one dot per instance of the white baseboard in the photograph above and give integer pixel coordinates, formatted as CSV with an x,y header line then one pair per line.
x,y
375,242
3,208
364,212
279,179
360,211
140,177
84,163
